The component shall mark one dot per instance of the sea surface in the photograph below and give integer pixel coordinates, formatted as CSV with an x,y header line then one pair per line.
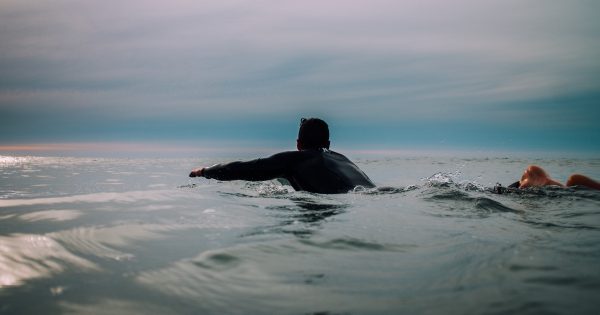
x,y
137,236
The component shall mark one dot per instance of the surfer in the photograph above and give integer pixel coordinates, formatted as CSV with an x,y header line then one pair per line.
x,y
535,176
312,168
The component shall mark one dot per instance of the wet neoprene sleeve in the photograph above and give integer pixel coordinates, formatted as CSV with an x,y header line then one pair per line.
x,y
255,170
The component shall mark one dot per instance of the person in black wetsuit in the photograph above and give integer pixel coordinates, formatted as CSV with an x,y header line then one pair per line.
x,y
312,168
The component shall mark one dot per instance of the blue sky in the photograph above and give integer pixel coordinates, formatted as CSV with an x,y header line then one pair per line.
x,y
385,74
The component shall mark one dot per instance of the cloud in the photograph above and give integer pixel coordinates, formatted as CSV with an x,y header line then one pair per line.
x,y
381,61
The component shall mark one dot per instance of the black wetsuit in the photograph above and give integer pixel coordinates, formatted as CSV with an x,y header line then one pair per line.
x,y
319,171
516,184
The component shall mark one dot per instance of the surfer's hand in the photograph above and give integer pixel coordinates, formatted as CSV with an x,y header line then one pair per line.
x,y
197,172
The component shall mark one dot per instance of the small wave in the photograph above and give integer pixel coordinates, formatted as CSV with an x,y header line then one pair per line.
x,y
491,205
579,213
527,307
555,280
353,244
300,210
384,190
453,194
218,261
454,199
526,268
561,226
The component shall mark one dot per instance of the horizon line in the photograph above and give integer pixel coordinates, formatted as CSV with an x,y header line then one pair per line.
x,y
189,148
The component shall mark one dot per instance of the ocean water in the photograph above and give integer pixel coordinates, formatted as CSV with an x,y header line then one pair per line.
x,y
137,236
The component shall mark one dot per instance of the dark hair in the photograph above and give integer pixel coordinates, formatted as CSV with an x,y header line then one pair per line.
x,y
313,133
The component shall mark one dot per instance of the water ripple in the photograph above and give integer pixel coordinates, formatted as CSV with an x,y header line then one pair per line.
x,y
455,199
104,241
585,283
353,244
119,197
29,256
248,280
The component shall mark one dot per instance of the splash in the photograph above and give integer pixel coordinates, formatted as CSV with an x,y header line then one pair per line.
x,y
441,179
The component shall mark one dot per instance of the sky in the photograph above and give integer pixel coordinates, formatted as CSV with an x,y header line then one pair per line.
x,y
484,75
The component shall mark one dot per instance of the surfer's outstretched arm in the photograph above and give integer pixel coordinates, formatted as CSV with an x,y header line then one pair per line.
x,y
581,180
255,170
197,172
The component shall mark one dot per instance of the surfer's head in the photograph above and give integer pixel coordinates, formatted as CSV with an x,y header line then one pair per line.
x,y
313,134
534,176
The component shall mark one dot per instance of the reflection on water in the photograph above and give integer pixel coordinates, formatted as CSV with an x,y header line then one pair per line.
x,y
301,214
51,215
25,256
104,241
307,210
115,197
